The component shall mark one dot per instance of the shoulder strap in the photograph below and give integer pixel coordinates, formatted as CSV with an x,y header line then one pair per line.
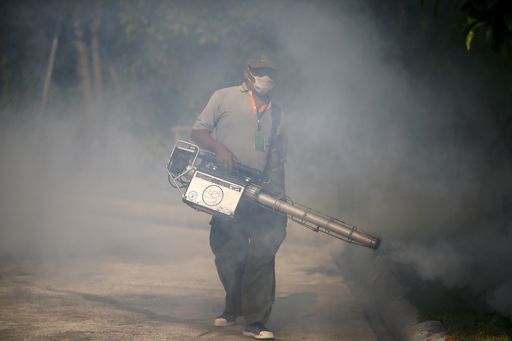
x,y
276,122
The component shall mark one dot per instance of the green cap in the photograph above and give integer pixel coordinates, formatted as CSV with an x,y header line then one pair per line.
x,y
261,59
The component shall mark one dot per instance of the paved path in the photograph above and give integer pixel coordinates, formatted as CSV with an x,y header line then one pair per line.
x,y
151,276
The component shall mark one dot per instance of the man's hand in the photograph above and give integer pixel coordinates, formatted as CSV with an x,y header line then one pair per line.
x,y
224,157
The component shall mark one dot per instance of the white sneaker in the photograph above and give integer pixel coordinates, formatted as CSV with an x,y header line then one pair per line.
x,y
258,331
224,321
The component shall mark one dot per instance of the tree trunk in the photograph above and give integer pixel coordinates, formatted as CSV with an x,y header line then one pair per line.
x,y
83,66
49,72
96,64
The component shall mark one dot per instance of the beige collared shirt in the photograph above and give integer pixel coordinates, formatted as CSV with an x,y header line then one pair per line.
x,y
230,119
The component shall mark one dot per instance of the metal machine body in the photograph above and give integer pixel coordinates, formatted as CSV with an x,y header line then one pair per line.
x,y
207,188
213,194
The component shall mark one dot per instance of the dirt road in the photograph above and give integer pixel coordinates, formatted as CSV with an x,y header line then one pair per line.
x,y
156,281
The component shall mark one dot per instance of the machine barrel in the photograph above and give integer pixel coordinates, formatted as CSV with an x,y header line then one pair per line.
x,y
308,217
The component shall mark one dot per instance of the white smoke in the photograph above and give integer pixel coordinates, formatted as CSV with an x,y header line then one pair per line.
x,y
402,154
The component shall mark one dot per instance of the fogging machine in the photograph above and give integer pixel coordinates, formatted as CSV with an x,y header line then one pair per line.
x,y
208,188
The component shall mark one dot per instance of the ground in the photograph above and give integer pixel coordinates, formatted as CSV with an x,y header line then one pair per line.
x,y
158,282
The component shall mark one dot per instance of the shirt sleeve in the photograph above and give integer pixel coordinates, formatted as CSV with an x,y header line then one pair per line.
x,y
207,119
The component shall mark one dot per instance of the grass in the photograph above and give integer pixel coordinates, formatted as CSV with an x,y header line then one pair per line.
x,y
474,325
465,316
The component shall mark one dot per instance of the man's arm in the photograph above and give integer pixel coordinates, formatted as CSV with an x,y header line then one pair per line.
x,y
204,125
224,157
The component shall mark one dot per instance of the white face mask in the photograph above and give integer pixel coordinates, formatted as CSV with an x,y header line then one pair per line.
x,y
263,85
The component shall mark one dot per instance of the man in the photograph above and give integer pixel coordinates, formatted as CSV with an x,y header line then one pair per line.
x,y
241,124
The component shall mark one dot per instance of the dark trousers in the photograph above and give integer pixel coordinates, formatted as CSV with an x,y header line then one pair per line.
x,y
245,249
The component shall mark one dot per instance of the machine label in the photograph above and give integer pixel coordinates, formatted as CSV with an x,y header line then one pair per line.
x,y
214,193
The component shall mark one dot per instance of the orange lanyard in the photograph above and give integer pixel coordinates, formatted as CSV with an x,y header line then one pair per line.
x,y
263,108
258,113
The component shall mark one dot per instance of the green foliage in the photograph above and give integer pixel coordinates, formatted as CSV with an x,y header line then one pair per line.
x,y
156,54
491,19
159,45
488,20
474,25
